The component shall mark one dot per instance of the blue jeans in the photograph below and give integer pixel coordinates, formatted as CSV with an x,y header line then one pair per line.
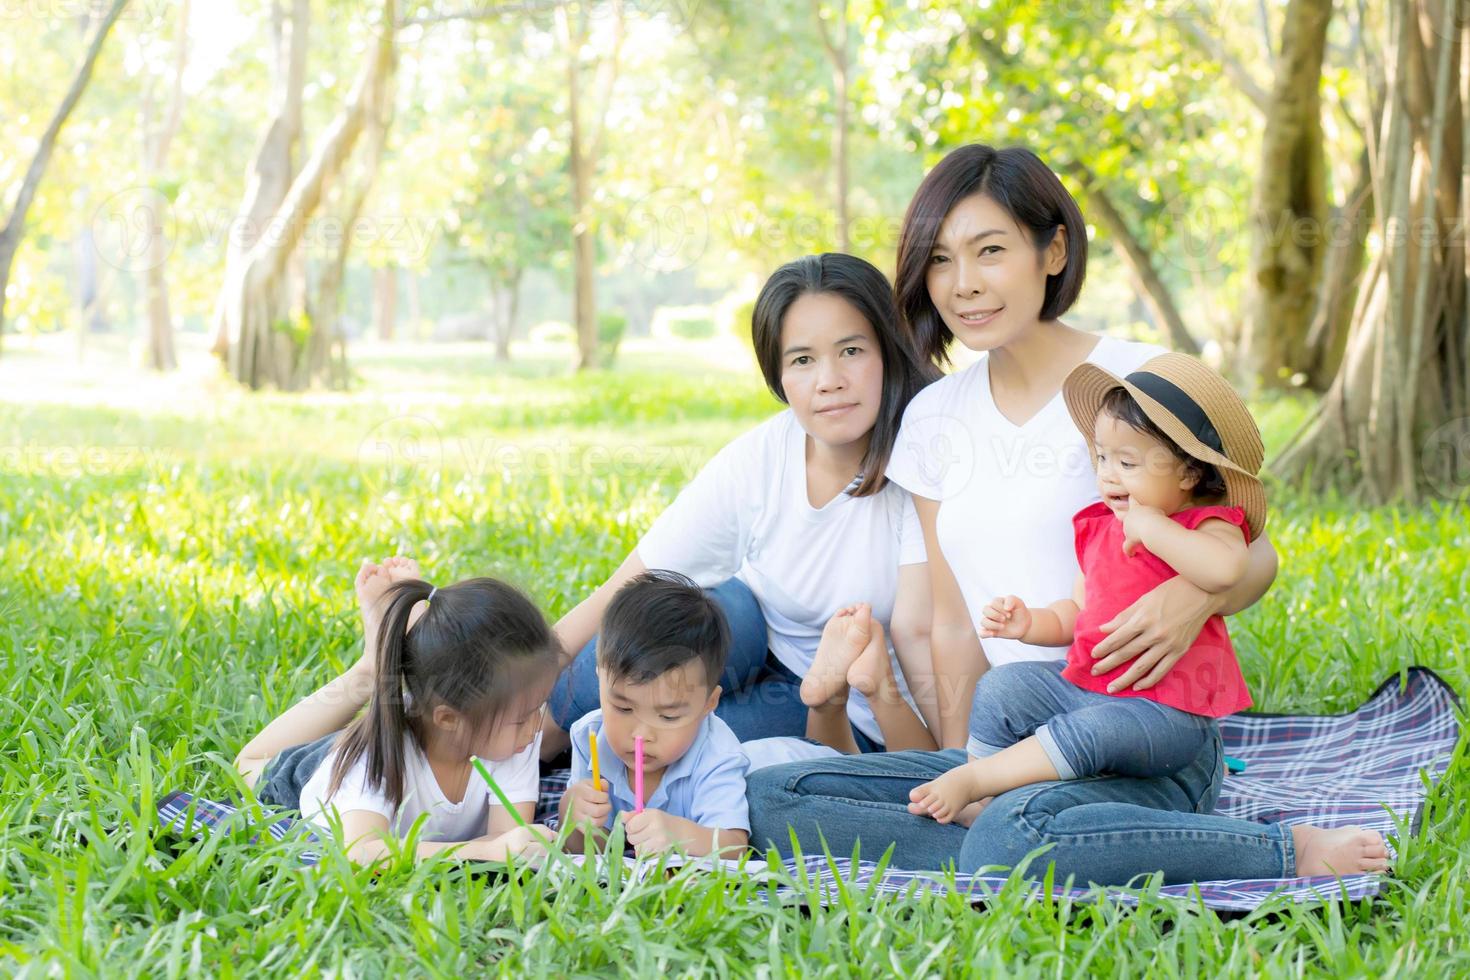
x,y
1083,733
287,774
1102,829
761,697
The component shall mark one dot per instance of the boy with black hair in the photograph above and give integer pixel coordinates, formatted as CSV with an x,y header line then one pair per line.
x,y
661,650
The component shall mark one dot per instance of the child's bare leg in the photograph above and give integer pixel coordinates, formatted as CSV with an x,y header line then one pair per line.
x,y
871,675
828,724
1019,765
335,703
371,582
843,640
1345,851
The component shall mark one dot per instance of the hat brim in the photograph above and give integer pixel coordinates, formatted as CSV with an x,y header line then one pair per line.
x,y
1084,391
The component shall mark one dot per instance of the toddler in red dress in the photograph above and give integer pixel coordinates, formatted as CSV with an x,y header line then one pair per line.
x,y
1177,454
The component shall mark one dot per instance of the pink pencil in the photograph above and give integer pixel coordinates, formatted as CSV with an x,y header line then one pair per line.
x,y
638,774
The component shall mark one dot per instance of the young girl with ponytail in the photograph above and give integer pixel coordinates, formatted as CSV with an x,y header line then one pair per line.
x,y
448,675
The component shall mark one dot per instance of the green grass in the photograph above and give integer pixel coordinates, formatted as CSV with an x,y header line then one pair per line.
x,y
175,567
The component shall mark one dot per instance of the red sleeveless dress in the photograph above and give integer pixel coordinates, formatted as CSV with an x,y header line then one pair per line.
x,y
1207,679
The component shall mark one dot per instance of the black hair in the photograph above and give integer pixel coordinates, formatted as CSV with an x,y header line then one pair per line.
x,y
660,621
1119,404
867,289
1027,189
479,643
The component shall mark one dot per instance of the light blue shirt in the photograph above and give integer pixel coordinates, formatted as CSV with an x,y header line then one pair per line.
x,y
705,784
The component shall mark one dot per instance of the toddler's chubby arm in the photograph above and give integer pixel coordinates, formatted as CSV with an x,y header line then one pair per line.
x,y
1213,557
1047,626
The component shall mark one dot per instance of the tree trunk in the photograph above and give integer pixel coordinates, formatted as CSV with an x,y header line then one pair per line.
x,y
1394,419
584,151
385,302
838,53
274,166
268,345
506,299
1289,213
1151,288
14,229
327,333
415,304
1327,336
584,248
158,347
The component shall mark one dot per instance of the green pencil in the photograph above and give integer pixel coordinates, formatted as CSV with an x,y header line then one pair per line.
x,y
500,793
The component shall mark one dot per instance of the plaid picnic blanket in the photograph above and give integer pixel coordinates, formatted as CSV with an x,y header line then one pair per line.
x,y
1361,768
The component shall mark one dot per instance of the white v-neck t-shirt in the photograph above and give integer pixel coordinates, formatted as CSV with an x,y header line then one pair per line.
x,y
519,776
1007,492
747,516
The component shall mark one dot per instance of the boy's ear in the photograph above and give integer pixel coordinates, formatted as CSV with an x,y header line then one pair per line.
x,y
1190,479
714,699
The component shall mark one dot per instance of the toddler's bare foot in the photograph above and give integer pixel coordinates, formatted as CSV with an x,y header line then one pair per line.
x,y
967,816
1345,851
843,640
872,667
945,798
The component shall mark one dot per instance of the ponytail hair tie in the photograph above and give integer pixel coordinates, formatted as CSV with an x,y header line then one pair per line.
x,y
432,591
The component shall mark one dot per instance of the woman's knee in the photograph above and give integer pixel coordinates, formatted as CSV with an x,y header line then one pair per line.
x,y
576,692
1008,829
748,634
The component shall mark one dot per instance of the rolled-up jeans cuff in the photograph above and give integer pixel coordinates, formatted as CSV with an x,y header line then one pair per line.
x,y
1288,851
1054,753
979,750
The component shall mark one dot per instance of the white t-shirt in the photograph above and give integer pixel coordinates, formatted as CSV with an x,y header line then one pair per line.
x,y
1007,493
747,515
519,776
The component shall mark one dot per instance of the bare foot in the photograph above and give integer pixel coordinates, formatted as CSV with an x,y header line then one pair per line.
x,y
872,667
1345,851
967,816
401,569
843,640
946,798
371,582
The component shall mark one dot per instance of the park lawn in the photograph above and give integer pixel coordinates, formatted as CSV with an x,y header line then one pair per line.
x,y
177,567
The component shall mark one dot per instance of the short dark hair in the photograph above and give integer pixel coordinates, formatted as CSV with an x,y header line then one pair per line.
x,y
1028,190
867,289
1121,405
660,621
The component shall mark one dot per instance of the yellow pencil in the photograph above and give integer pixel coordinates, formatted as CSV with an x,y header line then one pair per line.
x,y
592,748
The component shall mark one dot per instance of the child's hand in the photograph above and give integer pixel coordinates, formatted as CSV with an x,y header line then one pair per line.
x,y
654,830
588,801
1006,617
1135,524
528,841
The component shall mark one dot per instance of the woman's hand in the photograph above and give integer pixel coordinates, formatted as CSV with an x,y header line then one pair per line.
x,y
1154,633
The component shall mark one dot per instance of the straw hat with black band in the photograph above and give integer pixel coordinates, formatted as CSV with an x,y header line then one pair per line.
x,y
1196,408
